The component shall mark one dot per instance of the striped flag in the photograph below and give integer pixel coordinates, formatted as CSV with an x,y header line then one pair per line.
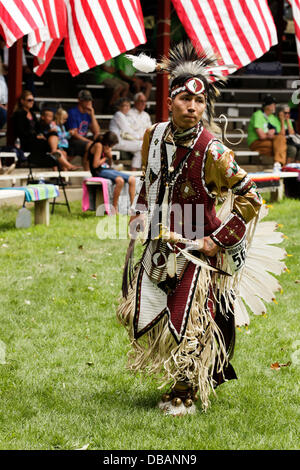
x,y
295,4
98,30
18,18
55,28
239,31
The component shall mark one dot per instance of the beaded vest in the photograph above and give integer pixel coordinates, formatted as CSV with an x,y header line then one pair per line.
x,y
193,208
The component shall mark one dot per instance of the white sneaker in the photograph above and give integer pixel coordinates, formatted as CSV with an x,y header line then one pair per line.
x,y
277,167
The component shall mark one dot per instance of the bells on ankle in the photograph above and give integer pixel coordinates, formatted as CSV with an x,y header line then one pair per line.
x,y
181,393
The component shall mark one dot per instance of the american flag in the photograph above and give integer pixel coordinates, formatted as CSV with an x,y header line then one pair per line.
x,y
41,41
99,30
295,4
18,18
94,30
239,31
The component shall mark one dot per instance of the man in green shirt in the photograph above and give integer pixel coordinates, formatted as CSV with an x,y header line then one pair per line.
x,y
106,74
127,73
266,133
292,139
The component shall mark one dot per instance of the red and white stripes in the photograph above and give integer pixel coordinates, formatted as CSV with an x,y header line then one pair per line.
x,y
295,4
239,31
18,18
94,30
99,30
55,22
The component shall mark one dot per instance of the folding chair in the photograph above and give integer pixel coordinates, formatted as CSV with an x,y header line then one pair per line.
x,y
57,180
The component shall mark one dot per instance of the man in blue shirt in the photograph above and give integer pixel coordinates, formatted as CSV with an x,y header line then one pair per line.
x,y
81,119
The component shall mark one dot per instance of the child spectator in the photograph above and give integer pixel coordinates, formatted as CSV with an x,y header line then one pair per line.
x,y
100,161
48,129
64,136
45,125
34,135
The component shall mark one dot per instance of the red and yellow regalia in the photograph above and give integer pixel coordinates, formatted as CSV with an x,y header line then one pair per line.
x,y
182,307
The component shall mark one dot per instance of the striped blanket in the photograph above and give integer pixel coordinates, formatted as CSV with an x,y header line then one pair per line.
x,y
37,192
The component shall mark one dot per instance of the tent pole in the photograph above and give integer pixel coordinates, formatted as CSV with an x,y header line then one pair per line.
x,y
14,84
163,46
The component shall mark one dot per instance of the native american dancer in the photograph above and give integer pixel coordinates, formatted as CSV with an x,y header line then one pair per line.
x,y
185,297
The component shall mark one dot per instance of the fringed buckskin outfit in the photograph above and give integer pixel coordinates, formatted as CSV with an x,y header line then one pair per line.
x,y
186,332
179,314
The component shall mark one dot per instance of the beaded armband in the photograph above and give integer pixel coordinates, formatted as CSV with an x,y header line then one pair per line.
x,y
139,205
231,231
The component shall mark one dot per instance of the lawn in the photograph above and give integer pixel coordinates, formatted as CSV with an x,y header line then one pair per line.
x,y
63,377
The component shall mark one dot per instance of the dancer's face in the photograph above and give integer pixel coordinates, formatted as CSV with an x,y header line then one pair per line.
x,y
186,109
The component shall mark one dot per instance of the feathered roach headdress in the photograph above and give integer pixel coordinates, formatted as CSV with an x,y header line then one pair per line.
x,y
194,70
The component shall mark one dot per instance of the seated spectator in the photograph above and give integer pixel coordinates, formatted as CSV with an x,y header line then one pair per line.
x,y
81,119
294,108
46,128
127,73
139,121
120,125
42,148
105,74
292,139
60,119
44,125
265,134
100,161
3,98
3,114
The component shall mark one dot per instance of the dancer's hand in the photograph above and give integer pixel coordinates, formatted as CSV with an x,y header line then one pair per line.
x,y
136,225
209,247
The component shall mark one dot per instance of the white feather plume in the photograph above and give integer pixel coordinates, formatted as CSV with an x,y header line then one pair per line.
x,y
142,62
254,284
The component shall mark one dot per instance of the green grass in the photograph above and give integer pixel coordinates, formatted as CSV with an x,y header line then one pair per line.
x,y
65,383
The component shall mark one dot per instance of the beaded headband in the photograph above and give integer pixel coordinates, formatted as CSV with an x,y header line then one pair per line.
x,y
194,86
190,69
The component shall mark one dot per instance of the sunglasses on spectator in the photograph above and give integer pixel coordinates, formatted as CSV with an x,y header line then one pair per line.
x,y
287,112
29,99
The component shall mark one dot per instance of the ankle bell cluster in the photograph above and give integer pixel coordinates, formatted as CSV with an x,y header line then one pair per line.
x,y
181,393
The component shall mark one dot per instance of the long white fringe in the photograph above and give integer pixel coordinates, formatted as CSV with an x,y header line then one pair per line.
x,y
194,359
